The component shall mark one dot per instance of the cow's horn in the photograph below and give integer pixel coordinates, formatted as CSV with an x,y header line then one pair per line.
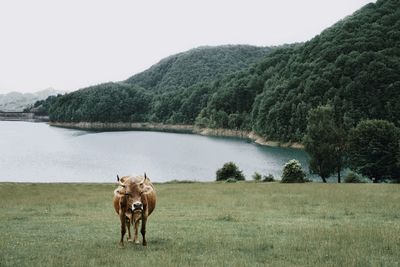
x,y
145,176
117,178
144,179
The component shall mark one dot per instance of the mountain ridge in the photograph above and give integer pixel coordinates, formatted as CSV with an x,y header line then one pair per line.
x,y
17,101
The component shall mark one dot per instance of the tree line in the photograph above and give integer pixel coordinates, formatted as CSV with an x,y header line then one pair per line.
x,y
372,148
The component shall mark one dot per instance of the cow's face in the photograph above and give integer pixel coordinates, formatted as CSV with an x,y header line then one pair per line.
x,y
135,191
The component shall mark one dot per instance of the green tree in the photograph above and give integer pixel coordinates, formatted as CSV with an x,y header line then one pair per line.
x,y
229,170
374,149
325,143
256,177
293,172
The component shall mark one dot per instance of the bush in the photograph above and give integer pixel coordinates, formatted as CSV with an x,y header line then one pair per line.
x,y
256,177
374,149
231,180
293,172
353,177
229,170
269,178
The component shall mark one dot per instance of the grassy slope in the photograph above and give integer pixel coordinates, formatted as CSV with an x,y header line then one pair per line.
x,y
243,224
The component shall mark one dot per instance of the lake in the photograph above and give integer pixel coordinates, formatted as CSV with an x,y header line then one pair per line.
x,y
37,152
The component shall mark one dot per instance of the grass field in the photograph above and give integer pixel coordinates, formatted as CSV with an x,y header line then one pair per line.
x,y
197,224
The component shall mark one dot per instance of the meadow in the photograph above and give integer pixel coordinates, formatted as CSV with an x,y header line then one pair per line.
x,y
198,224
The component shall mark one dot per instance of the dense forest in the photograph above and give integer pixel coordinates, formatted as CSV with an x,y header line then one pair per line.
x,y
158,93
199,65
353,66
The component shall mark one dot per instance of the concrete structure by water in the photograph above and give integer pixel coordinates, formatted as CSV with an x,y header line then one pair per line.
x,y
21,116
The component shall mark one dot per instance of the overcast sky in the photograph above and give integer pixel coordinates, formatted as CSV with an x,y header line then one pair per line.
x,y
76,43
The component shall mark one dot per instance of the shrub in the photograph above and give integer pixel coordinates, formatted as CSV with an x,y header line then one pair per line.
x,y
256,177
353,177
374,149
231,180
229,170
293,172
269,178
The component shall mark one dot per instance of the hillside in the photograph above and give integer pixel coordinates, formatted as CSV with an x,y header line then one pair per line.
x,y
16,101
197,65
354,66
155,94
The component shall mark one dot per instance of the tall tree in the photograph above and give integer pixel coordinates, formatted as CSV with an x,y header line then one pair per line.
x,y
374,149
324,141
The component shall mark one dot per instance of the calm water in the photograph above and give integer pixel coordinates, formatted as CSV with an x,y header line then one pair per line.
x,y
36,152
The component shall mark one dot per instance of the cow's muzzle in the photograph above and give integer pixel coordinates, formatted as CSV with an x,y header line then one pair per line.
x,y
137,206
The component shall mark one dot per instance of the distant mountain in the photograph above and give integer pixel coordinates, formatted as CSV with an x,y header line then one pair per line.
x,y
15,101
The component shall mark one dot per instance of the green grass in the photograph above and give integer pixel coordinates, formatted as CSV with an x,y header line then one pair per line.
x,y
198,224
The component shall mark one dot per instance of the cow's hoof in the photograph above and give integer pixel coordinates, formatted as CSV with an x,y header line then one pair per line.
x,y
130,240
121,245
144,243
137,242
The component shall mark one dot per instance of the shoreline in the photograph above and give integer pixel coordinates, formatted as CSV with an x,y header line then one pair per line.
x,y
173,128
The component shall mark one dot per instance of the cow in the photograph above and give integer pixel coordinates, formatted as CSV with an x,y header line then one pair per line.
x,y
134,200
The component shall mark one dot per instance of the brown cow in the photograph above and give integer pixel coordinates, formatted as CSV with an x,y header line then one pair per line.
x,y
134,200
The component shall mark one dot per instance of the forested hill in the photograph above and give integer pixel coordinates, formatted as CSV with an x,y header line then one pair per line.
x,y
159,92
354,66
201,64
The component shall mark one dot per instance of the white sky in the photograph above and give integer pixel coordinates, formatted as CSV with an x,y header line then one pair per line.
x,y
76,43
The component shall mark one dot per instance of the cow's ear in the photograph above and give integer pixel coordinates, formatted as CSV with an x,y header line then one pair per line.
x,y
146,189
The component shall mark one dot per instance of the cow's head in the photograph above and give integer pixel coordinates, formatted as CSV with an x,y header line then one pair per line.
x,y
135,189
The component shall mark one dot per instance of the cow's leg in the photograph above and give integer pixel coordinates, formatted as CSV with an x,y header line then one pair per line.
x,y
123,227
143,230
128,225
136,237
